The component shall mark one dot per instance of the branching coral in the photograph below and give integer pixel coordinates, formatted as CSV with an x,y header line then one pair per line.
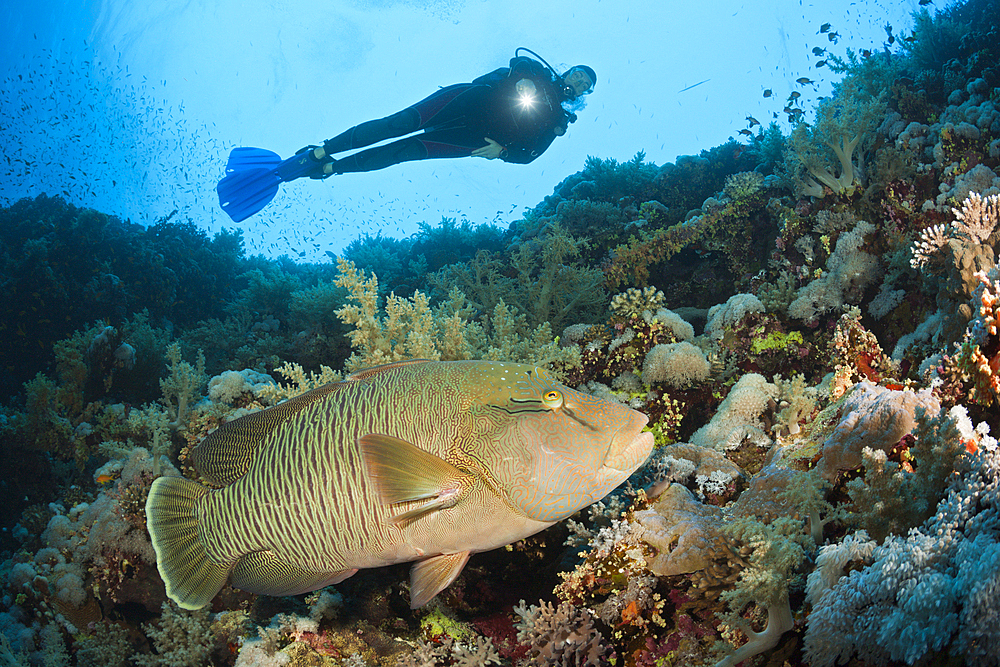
x,y
299,382
411,329
973,226
562,636
893,497
405,332
181,638
550,286
183,385
446,651
542,277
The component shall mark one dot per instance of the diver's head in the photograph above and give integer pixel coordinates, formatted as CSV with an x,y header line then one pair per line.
x,y
579,80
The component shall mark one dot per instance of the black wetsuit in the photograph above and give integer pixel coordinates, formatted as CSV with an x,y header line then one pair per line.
x,y
456,119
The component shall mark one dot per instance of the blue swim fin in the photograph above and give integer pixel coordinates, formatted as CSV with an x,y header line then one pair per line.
x,y
253,175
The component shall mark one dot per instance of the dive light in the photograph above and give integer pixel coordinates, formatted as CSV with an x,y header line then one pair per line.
x,y
525,89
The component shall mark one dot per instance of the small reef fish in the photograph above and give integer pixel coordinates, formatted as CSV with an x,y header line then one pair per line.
x,y
414,461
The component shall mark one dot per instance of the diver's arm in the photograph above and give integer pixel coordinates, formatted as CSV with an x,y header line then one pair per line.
x,y
490,151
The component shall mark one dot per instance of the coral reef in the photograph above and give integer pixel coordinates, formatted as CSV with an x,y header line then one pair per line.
x,y
810,322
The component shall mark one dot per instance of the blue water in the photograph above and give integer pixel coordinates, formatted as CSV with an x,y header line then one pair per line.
x,y
133,109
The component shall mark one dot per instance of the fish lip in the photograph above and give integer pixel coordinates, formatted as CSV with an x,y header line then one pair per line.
x,y
629,447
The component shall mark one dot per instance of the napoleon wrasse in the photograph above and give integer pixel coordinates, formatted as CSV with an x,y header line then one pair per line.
x,y
415,461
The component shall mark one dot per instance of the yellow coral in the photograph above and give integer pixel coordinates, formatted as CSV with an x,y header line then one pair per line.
x,y
181,387
776,340
405,332
299,382
410,329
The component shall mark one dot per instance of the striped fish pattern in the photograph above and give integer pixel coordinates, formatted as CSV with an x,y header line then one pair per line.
x,y
414,461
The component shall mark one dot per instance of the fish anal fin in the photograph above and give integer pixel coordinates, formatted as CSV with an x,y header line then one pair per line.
x,y
403,472
432,575
266,573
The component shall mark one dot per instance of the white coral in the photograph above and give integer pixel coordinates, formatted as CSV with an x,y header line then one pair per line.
x,y
932,589
931,240
978,217
675,364
738,417
849,270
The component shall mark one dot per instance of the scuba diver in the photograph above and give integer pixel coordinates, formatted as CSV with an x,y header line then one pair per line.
x,y
513,113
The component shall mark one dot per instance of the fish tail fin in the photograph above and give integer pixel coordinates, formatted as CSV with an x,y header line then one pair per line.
x,y
191,577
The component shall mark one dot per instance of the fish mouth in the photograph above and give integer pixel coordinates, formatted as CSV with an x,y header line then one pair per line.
x,y
630,447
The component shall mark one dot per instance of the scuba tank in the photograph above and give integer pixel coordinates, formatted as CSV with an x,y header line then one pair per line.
x,y
566,90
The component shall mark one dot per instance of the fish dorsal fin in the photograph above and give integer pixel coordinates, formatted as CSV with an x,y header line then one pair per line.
x,y
432,575
225,454
403,472
366,373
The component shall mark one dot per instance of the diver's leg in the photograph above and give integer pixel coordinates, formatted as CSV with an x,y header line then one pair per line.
x,y
381,157
427,145
442,106
374,131
448,143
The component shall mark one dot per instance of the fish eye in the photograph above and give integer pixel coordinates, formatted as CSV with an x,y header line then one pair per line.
x,y
552,399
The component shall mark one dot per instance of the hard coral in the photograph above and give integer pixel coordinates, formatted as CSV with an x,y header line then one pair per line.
x,y
682,531
562,636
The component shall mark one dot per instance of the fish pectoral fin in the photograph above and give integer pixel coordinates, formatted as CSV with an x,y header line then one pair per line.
x,y
443,501
432,575
266,573
403,472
